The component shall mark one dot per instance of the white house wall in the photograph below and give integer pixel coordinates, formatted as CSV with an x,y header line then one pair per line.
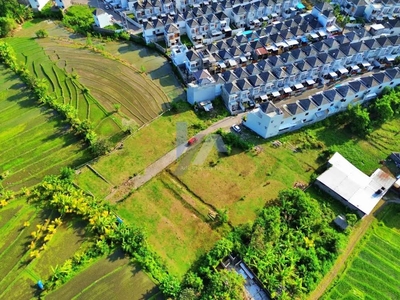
x,y
38,4
196,93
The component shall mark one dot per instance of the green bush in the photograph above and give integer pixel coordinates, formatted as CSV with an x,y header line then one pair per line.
x,y
79,18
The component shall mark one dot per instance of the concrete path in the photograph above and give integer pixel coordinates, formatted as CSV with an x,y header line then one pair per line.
x,y
163,162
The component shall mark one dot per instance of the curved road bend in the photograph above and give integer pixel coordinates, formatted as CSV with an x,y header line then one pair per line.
x,y
162,163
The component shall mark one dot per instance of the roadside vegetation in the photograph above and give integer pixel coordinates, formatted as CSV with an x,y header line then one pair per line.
x,y
373,270
12,14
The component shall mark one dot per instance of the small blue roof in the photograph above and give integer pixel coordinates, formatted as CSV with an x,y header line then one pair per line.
x,y
300,5
304,39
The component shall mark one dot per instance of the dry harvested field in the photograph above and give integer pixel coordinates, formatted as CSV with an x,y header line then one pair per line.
x,y
110,81
108,278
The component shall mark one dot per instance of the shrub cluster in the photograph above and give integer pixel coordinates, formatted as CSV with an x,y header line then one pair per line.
x,y
363,119
233,140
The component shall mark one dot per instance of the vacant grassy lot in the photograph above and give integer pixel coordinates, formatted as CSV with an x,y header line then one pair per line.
x,y
109,277
176,232
244,182
34,140
146,146
374,273
19,273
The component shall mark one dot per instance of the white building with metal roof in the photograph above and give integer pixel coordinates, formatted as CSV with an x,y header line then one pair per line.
x,y
345,182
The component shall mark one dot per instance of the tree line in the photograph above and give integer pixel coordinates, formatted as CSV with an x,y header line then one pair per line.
x,y
362,119
40,89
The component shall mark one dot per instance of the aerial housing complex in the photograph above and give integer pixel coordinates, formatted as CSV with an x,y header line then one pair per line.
x,y
285,66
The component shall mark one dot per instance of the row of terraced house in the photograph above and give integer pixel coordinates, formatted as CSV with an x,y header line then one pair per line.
x,y
204,22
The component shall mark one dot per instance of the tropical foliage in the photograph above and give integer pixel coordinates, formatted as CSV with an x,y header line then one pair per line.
x,y
362,120
292,245
11,14
61,195
79,18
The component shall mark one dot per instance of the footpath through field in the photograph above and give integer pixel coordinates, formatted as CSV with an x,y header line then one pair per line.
x,y
162,163
342,260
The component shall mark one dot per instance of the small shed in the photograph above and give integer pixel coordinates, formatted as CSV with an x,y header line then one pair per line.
x,y
341,222
396,158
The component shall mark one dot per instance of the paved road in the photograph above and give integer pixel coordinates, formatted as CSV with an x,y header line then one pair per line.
x,y
162,163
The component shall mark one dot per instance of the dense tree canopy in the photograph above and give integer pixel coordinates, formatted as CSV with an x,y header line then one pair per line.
x,y
79,18
11,14
292,245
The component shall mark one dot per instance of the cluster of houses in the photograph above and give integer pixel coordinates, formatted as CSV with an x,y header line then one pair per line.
x,y
204,22
271,119
371,10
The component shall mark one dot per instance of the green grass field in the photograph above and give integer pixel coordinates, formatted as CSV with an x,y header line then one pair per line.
x,y
108,278
34,140
177,233
19,273
244,181
375,271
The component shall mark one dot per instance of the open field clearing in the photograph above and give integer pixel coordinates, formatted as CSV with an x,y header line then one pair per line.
x,y
66,88
156,139
107,278
244,182
34,140
374,273
19,273
175,231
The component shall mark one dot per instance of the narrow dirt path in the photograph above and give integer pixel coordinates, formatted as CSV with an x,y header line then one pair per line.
x,y
341,261
162,163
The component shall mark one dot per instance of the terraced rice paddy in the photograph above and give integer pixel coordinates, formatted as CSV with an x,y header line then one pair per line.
x,y
110,82
109,278
64,86
34,140
374,273
19,273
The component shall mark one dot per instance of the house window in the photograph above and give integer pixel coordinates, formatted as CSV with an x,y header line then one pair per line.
x,y
356,96
282,122
332,104
306,114
319,109
294,118
305,120
272,122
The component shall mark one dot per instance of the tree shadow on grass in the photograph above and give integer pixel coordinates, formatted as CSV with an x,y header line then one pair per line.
x,y
390,215
154,292
118,254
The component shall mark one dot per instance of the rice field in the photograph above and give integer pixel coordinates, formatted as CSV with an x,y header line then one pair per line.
x,y
34,140
64,86
375,271
19,273
108,278
110,82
